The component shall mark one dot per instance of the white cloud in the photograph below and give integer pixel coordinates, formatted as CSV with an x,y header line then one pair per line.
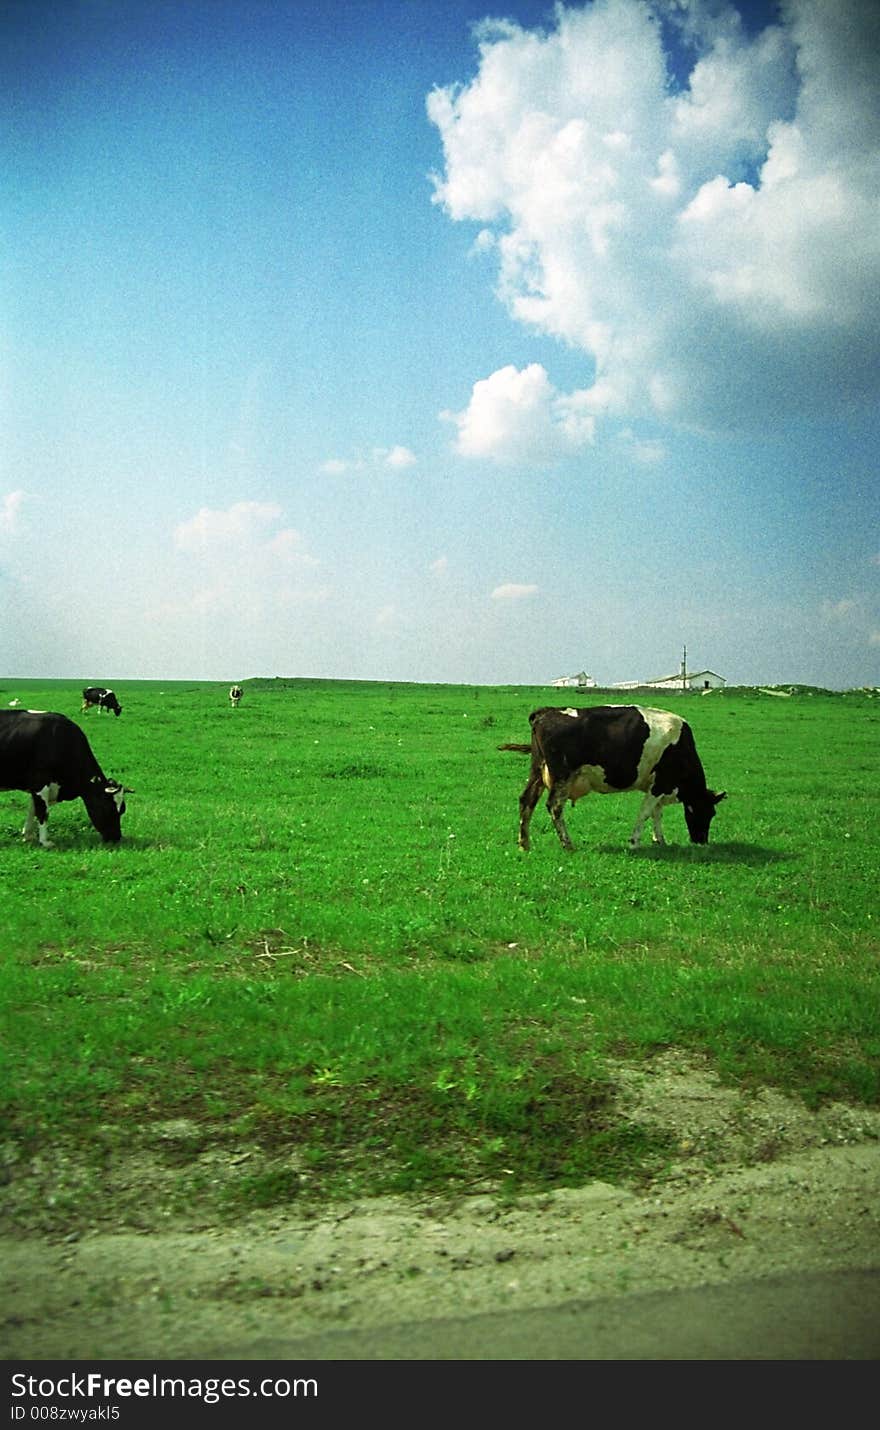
x,y
648,452
716,250
238,525
242,564
287,547
399,457
484,241
839,610
440,566
386,617
519,416
512,591
10,508
851,621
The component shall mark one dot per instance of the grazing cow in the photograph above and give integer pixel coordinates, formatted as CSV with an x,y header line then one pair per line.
x,y
49,757
235,695
102,697
607,749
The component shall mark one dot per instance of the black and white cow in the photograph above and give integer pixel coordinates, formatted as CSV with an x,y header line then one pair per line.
x,y
235,695
49,757
608,749
102,697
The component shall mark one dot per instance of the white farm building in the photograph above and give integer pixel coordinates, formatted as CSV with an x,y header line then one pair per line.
x,y
683,679
573,682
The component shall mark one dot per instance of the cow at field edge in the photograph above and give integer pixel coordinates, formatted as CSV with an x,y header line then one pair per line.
x,y
608,749
49,757
102,697
235,695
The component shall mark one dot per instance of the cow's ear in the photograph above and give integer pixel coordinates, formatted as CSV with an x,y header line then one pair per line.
x,y
721,796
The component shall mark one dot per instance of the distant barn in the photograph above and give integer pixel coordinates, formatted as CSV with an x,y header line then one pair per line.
x,y
573,682
691,680
682,679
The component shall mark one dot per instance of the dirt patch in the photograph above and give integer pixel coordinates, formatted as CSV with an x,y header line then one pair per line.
x,y
762,1186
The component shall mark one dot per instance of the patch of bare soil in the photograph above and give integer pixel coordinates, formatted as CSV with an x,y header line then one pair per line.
x,y
762,1187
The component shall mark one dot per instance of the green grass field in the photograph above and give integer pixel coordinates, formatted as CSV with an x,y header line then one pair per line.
x,y
319,936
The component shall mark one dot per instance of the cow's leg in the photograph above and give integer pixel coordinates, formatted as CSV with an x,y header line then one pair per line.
x,y
527,801
556,804
651,808
37,817
47,795
29,830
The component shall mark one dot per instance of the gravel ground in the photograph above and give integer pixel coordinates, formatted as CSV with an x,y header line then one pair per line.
x,y
763,1188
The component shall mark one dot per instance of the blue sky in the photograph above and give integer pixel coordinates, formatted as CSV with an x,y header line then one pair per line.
x,y
439,341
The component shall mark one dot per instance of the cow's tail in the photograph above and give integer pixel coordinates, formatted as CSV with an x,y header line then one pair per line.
x,y
517,749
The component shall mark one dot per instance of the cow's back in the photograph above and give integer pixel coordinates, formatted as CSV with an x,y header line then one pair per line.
x,y
621,741
41,747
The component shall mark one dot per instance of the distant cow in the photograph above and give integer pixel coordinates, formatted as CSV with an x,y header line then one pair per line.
x,y
235,695
49,757
102,697
608,749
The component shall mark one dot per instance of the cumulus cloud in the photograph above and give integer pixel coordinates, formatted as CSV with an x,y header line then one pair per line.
x,y
484,241
713,247
852,619
647,452
237,525
839,610
243,561
440,566
10,508
513,591
518,415
397,458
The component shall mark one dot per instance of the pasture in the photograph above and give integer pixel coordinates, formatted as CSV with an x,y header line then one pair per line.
x,y
319,966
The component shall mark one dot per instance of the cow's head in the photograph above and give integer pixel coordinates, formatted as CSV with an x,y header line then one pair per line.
x,y
699,813
105,801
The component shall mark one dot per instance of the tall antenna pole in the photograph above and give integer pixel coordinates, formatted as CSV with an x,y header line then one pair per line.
x,y
684,666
